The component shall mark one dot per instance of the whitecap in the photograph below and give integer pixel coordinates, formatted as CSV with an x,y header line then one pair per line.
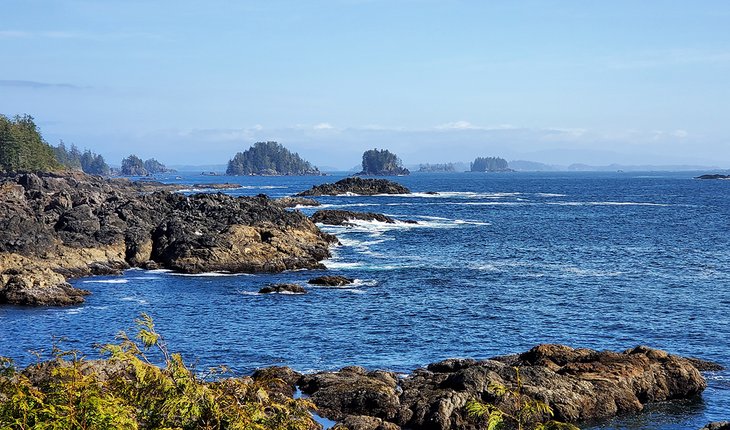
x,y
606,204
341,265
207,274
550,195
106,281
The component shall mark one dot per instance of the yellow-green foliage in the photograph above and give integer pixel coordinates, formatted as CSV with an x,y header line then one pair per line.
x,y
127,391
516,410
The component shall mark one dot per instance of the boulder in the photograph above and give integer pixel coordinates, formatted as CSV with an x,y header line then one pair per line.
x,y
355,185
283,289
353,391
331,281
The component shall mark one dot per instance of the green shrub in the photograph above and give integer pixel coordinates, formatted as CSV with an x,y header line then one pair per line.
x,y
127,391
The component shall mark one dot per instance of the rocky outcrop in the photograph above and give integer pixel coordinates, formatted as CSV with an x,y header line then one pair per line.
x,y
283,289
359,186
578,384
290,202
340,217
58,226
331,281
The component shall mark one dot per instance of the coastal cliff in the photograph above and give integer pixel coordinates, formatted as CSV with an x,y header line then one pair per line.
x,y
60,226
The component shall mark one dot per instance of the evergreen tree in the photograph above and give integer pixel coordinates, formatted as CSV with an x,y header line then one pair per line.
x,y
489,164
269,158
22,147
382,162
133,166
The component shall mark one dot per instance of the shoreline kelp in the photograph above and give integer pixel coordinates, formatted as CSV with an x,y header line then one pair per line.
x,y
126,390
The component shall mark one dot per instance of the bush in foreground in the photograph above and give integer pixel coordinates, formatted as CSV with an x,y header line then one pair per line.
x,y
127,391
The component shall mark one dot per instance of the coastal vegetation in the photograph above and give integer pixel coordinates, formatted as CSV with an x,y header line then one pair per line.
x,y
126,390
22,147
489,164
134,166
518,410
87,161
269,158
382,162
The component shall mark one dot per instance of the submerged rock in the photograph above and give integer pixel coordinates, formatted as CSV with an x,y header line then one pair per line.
x,y
331,281
578,384
58,226
355,185
718,425
283,288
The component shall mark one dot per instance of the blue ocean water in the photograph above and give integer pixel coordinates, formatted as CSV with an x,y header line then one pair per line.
x,y
497,264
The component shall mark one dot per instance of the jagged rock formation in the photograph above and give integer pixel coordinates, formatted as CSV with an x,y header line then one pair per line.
x,y
579,385
718,425
359,186
57,226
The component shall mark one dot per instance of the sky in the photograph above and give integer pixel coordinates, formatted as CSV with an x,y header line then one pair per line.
x,y
194,82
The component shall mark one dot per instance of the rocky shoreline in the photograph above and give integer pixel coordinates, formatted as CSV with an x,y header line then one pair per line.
x,y
60,226
580,385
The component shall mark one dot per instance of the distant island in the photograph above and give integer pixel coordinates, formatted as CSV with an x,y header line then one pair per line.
x,y
447,167
715,176
134,166
490,164
382,163
269,159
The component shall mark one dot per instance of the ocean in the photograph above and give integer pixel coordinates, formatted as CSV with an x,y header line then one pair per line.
x,y
497,264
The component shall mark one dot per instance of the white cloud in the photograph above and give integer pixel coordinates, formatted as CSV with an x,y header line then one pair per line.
x,y
323,126
457,125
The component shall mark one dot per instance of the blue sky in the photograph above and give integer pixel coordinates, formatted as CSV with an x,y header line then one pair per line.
x,y
192,82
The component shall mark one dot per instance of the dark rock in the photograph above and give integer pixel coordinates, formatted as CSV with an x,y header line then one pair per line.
x,y
704,365
719,425
278,379
71,225
364,422
290,202
283,288
713,177
340,217
353,391
360,186
578,384
331,281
